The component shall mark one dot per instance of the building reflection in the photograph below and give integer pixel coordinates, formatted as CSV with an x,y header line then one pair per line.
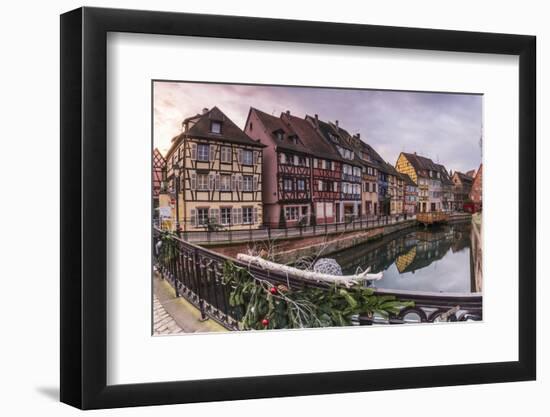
x,y
411,251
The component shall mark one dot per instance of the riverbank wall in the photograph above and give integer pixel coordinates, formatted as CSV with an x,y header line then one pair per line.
x,y
332,245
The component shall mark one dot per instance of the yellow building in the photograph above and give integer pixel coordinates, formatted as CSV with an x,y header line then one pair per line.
x,y
220,174
427,176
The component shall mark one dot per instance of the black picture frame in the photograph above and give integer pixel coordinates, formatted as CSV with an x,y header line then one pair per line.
x,y
84,207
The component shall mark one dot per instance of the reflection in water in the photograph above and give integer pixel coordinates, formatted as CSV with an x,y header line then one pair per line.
x,y
436,259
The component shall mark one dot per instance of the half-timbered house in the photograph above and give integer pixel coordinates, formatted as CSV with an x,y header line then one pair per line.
x,y
427,177
326,174
220,171
410,194
476,193
159,172
447,192
349,204
287,174
462,184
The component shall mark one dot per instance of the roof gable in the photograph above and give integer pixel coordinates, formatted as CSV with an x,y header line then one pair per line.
x,y
230,132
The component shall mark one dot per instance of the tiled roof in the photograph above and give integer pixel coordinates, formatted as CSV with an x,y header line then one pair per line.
x,y
311,139
420,162
408,180
464,178
230,132
336,136
274,124
445,178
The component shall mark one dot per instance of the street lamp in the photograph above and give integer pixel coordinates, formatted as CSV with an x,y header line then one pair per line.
x,y
177,171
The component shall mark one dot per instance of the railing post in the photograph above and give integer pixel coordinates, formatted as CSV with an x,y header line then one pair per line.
x,y
198,276
175,272
269,233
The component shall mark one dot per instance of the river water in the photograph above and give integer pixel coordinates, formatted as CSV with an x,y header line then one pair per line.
x,y
435,259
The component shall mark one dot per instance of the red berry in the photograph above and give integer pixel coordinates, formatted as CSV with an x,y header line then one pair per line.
x,y
273,290
265,322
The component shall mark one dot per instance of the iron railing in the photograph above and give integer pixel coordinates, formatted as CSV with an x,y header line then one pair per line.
x,y
250,233
196,274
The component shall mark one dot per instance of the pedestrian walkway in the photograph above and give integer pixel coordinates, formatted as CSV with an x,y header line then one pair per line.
x,y
163,323
175,315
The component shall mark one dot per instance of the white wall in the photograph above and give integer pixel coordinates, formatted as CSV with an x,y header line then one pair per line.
x,y
30,124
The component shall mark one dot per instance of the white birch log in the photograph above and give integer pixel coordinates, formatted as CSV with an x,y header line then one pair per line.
x,y
347,280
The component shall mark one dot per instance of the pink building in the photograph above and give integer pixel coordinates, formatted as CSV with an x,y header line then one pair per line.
x,y
286,188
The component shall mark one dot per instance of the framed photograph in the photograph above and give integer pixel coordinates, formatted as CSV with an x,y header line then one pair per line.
x,y
256,208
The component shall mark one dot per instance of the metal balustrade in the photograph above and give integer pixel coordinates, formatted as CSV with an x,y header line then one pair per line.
x,y
196,274
249,233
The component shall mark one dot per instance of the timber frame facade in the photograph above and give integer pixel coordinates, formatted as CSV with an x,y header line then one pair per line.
x,y
427,176
159,174
287,172
220,174
461,188
351,180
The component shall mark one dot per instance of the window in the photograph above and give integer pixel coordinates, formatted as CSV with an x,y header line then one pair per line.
x,y
367,187
329,165
300,185
237,214
225,216
202,216
357,171
225,154
202,152
321,185
280,135
247,215
247,183
302,161
215,127
247,157
225,183
202,181
292,213
287,184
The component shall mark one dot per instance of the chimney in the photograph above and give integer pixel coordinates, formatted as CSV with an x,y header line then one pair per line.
x,y
205,110
316,117
336,123
415,152
358,136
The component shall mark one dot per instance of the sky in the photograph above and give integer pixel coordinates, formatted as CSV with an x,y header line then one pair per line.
x,y
444,127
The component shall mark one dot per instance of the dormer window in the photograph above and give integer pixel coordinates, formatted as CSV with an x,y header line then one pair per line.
x,y
294,139
215,127
280,135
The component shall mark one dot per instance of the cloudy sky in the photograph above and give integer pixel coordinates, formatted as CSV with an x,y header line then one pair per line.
x,y
444,127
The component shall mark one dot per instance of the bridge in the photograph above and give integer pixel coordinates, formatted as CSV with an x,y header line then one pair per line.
x,y
195,273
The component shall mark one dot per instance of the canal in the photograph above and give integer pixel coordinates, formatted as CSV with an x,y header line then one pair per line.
x,y
436,259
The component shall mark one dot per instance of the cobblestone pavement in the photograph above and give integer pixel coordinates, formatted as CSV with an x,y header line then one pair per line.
x,y
163,323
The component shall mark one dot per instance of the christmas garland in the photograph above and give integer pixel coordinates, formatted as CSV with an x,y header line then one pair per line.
x,y
264,305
